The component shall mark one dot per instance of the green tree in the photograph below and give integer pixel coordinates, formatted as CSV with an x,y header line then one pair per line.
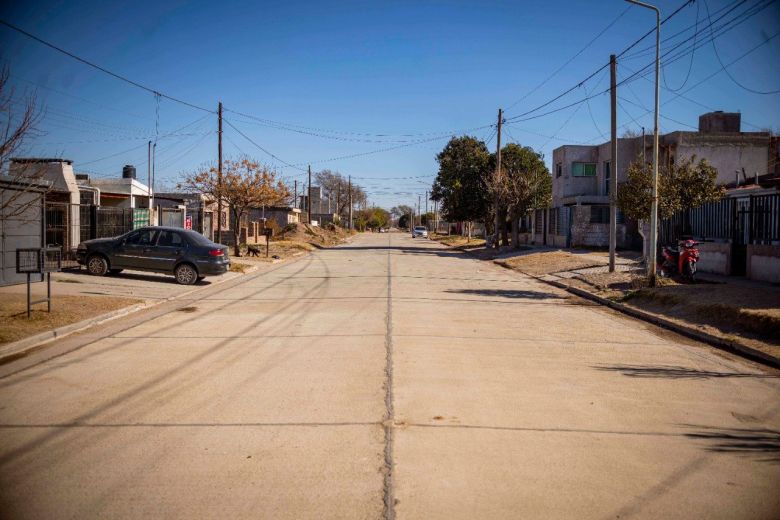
x,y
524,184
681,187
461,183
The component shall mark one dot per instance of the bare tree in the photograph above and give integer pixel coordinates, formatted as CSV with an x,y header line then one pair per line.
x,y
245,185
17,127
336,186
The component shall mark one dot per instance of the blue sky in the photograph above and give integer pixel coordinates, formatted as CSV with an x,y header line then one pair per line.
x,y
362,71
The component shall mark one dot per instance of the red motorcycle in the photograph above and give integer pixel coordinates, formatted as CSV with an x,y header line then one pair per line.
x,y
680,261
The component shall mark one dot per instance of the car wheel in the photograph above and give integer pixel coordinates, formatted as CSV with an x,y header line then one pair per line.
x,y
97,265
115,271
186,274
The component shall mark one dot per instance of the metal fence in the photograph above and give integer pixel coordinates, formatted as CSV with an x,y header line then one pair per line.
x,y
68,224
742,221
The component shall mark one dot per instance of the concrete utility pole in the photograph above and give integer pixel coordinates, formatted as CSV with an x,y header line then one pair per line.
x,y
418,209
219,173
308,198
149,179
349,185
613,164
496,243
154,163
652,253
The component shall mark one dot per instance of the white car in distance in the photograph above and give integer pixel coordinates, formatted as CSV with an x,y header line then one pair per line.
x,y
419,231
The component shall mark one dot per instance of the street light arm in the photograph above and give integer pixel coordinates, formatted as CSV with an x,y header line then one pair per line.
x,y
642,4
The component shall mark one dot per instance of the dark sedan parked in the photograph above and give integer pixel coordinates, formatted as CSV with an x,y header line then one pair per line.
x,y
186,254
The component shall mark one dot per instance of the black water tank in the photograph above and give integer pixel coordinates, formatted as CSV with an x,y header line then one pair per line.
x,y
128,172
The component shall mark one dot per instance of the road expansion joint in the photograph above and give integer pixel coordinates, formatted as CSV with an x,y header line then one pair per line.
x,y
388,510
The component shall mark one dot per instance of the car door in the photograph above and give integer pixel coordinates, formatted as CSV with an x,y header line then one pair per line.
x,y
171,246
135,251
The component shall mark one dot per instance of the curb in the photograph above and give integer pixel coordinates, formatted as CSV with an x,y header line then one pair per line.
x,y
720,343
714,341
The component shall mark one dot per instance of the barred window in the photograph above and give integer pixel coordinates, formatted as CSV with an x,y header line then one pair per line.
x,y
599,214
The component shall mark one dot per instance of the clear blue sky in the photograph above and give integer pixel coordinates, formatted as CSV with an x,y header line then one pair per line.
x,y
364,67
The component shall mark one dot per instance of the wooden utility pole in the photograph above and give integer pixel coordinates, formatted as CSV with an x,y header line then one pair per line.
x,y
338,201
308,198
349,187
613,163
496,243
295,196
219,173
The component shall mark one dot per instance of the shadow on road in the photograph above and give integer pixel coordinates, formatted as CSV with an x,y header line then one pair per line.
x,y
137,275
749,441
675,372
509,293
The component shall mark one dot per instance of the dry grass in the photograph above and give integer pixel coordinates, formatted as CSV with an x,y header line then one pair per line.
x,y
459,241
236,267
14,324
745,313
546,262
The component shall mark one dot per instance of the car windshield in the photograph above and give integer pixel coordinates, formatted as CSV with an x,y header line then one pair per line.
x,y
419,228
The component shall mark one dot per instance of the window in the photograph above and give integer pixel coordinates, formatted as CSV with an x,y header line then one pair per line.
x,y
581,169
558,170
599,214
141,238
170,239
607,174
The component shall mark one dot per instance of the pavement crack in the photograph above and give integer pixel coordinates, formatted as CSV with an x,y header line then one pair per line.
x,y
388,511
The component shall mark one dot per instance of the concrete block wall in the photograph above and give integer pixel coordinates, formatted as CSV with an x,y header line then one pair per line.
x,y
714,257
763,263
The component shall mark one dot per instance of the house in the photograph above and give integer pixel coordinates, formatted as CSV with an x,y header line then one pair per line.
x,y
583,176
122,192
21,222
192,211
78,208
280,215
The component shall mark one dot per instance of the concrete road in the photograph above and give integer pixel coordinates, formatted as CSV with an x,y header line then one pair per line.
x,y
389,377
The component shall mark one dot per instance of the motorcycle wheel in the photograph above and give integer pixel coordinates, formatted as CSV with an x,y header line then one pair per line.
x,y
690,271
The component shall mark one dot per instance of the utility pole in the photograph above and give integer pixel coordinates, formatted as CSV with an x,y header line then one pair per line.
x,y
613,169
349,187
338,201
652,252
219,173
418,209
154,163
496,242
308,198
295,196
427,224
149,179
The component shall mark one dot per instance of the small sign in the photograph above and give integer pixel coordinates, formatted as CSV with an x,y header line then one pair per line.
x,y
188,222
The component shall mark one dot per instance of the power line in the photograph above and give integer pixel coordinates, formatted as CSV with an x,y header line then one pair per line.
x,y
725,69
102,69
519,117
170,134
693,54
548,78
260,147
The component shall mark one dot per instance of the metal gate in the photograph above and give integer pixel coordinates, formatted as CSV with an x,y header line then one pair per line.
x,y
172,217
